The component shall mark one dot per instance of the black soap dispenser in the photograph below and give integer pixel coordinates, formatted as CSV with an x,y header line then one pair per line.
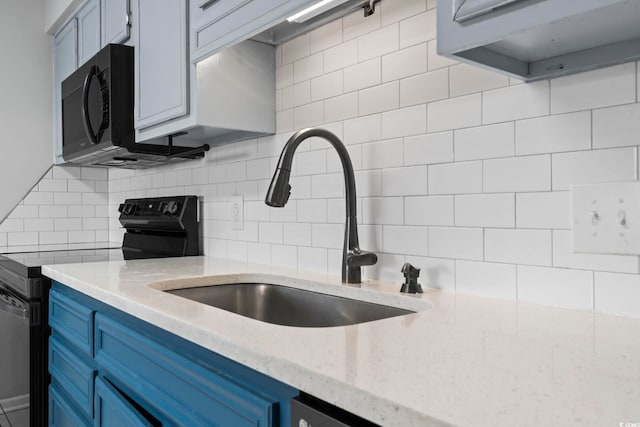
x,y
411,275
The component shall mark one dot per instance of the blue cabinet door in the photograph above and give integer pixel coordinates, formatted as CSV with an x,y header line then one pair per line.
x,y
113,409
62,413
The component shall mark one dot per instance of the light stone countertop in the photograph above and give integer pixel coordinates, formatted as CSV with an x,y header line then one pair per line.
x,y
461,360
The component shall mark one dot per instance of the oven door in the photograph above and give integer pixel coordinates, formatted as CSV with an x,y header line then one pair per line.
x,y
15,320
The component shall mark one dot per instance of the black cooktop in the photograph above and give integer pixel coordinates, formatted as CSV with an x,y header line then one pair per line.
x,y
28,263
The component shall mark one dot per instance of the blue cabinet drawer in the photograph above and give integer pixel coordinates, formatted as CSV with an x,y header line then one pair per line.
x,y
73,375
61,413
114,410
173,387
72,320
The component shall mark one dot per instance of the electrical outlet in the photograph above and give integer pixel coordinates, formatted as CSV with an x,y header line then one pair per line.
x,y
606,218
237,212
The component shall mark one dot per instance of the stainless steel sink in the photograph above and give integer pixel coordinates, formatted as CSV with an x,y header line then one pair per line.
x,y
288,306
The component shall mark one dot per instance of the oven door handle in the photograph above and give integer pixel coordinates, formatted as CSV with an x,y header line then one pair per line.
x,y
21,310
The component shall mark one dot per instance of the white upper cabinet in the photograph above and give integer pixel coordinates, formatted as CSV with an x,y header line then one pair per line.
x,y
116,15
88,31
539,39
161,55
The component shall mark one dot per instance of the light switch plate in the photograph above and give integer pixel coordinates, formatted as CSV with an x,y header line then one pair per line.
x,y
606,218
237,212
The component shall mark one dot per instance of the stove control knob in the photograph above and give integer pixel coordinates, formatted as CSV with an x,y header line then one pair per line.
x,y
171,208
128,209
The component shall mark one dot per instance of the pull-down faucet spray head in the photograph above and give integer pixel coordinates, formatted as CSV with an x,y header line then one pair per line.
x,y
352,256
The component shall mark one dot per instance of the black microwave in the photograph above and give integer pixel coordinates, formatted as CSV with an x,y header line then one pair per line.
x,y
98,116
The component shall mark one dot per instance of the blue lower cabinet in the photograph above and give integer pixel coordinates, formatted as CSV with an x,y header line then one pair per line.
x,y
114,410
149,377
62,413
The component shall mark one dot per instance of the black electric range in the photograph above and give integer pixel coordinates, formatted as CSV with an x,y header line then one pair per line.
x,y
155,228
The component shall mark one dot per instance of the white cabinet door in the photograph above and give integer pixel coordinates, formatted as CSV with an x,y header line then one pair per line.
x,y
88,31
65,61
115,21
161,55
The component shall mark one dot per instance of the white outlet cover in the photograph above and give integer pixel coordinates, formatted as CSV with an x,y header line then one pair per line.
x,y
606,218
236,213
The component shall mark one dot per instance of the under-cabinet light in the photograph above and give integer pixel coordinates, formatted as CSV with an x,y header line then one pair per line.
x,y
314,10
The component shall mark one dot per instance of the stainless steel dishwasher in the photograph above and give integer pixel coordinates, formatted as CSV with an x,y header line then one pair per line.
x,y
15,320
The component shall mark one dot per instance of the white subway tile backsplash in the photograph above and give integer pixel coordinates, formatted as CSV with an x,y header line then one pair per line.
x,y
435,61
284,256
594,89
379,98
424,88
617,294
327,86
437,273
529,173
356,24
52,237
270,232
12,225
418,29
297,234
308,115
405,240
457,243
397,10
531,247
284,76
383,154
543,210
341,56
327,235
486,279
312,259
312,210
454,113
564,132
484,142
563,256
616,126
369,183
310,162
379,42
555,286
341,107
363,75
326,186
429,148
327,36
404,122
404,63
39,224
383,210
516,102
295,49
429,210
455,178
97,174
363,129
296,95
82,236
485,210
466,79
259,253
617,164
406,181
56,185
18,238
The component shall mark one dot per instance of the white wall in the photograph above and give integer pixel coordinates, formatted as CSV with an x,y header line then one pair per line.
x,y
57,11
463,172
25,104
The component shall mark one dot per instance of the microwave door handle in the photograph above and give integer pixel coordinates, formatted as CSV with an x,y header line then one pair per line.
x,y
85,104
